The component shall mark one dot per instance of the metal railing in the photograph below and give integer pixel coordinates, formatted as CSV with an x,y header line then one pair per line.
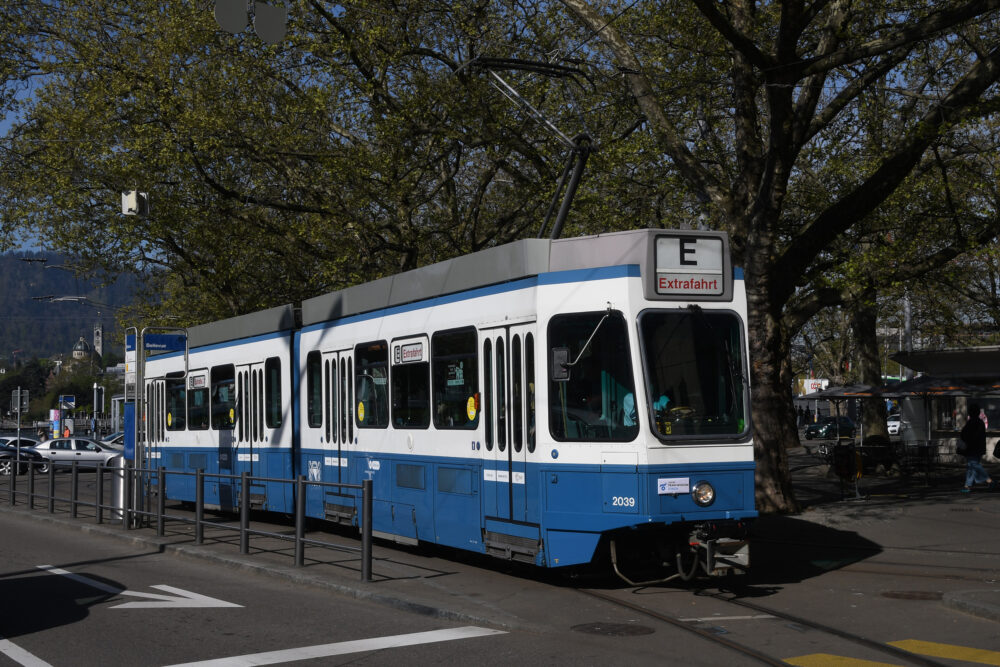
x,y
128,477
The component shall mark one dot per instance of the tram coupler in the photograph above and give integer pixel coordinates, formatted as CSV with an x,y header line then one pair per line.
x,y
723,547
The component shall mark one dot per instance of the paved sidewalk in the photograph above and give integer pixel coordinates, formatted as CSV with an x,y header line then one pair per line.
x,y
892,511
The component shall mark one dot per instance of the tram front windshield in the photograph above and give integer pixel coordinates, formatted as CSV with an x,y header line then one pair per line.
x,y
694,370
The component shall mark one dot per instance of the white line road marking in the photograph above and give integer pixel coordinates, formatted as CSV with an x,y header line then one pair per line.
x,y
706,619
181,597
19,655
343,648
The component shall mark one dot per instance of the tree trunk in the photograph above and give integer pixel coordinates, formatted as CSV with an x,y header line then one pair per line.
x,y
774,428
864,325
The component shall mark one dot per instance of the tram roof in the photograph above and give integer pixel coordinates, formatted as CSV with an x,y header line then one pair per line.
x,y
272,320
512,261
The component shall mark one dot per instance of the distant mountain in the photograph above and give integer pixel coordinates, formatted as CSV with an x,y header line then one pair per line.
x,y
39,327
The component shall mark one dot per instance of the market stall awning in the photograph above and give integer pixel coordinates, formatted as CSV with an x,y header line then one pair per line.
x,y
850,391
930,385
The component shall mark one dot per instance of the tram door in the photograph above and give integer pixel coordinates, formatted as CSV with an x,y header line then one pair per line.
x,y
336,415
248,431
508,382
153,433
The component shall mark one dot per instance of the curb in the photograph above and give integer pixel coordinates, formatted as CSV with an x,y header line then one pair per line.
x,y
982,603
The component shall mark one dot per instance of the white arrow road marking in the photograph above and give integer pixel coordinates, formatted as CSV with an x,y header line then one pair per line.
x,y
181,597
343,648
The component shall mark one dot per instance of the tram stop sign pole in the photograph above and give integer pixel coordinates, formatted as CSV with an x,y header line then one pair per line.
x,y
137,345
19,404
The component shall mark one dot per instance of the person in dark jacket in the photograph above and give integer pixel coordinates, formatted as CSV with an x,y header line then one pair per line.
x,y
974,436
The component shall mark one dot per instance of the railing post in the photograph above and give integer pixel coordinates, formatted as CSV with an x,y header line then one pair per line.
x,y
74,488
199,506
99,509
14,463
366,530
161,498
244,513
52,487
127,495
31,486
300,520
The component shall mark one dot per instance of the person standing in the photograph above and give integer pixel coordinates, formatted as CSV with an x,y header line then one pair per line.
x,y
974,436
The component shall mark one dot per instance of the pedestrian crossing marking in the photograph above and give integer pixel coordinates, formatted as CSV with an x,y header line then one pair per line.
x,y
829,660
952,651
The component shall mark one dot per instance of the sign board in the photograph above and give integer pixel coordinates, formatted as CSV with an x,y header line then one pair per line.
x,y
19,400
690,266
810,385
67,402
164,342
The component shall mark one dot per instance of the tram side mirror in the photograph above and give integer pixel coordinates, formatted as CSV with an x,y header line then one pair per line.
x,y
560,364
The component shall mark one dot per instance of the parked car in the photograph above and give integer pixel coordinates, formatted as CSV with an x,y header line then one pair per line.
x,y
12,440
116,440
894,424
63,451
827,428
27,456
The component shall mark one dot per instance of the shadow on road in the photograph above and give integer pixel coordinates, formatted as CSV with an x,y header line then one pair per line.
x,y
44,600
789,550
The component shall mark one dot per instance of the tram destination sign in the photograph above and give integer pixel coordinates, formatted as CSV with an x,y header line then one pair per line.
x,y
691,266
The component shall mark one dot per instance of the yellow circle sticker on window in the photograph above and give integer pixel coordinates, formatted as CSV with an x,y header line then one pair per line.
x,y
470,408
361,411
232,415
168,419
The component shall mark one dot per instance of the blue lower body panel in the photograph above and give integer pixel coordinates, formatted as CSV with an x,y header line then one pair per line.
x,y
222,469
441,500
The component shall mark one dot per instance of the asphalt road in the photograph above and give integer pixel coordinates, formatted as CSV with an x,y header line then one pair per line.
x,y
81,599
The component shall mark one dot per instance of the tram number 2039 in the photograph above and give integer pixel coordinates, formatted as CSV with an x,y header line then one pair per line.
x,y
622,501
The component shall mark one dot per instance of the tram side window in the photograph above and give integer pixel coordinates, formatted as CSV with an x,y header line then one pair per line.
x,y
411,391
371,384
223,397
314,390
176,414
456,379
591,404
197,405
272,392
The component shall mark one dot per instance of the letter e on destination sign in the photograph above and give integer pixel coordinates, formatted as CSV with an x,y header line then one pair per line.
x,y
690,265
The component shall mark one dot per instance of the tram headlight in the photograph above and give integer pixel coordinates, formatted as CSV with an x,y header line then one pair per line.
x,y
703,494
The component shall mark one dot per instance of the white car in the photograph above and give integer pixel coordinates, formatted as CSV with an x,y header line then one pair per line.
x,y
894,424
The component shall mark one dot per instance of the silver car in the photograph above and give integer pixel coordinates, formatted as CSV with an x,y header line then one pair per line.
x,y
87,452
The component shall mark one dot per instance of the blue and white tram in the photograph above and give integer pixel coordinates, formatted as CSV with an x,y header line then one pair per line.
x,y
551,401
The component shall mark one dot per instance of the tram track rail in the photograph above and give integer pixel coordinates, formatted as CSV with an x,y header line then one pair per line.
x,y
748,651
